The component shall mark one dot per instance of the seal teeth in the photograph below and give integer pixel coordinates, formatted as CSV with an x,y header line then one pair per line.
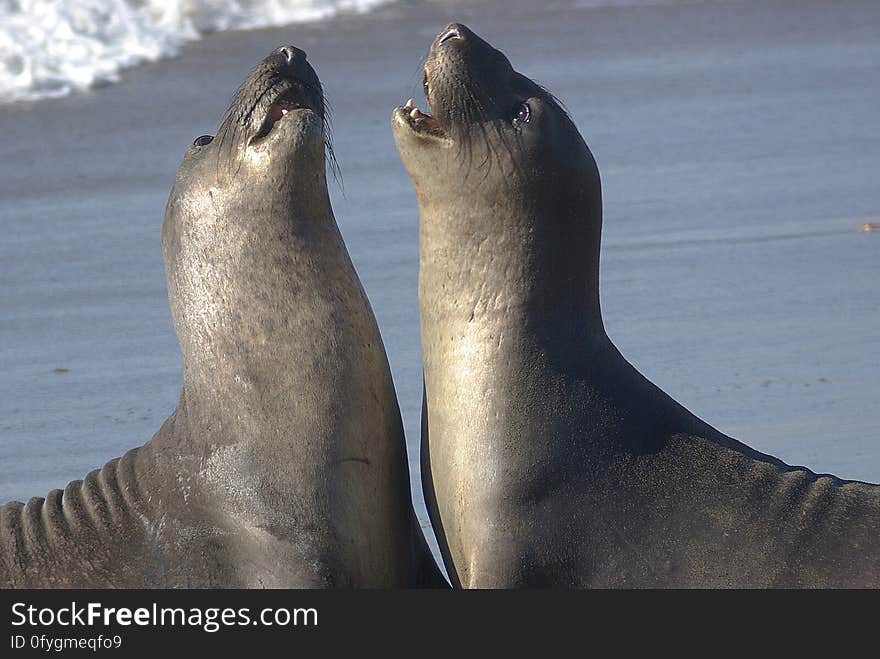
x,y
421,121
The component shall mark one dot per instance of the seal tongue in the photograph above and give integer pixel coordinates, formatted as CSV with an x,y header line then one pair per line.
x,y
273,115
279,109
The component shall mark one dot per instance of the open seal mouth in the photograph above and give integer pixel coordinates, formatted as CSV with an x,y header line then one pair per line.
x,y
422,122
279,108
294,98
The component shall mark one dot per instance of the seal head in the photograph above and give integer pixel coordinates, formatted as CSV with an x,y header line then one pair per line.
x,y
483,114
490,159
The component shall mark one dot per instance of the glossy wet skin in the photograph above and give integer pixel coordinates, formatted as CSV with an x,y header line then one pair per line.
x,y
484,116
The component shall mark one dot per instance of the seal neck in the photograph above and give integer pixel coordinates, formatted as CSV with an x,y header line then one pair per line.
x,y
537,265
247,288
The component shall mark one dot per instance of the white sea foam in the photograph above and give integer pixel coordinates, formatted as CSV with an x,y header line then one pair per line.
x,y
53,47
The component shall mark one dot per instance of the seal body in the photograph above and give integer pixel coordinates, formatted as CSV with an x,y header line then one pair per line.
x,y
284,463
548,460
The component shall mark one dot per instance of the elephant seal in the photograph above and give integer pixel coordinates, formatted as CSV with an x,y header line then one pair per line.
x,y
284,464
548,460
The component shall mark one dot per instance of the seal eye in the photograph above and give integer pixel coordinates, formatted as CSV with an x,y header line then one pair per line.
x,y
522,113
203,140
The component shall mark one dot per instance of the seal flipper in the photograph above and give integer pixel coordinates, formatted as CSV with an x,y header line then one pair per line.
x,y
91,534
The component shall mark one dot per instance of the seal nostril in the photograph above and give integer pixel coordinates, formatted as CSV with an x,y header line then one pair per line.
x,y
451,33
291,53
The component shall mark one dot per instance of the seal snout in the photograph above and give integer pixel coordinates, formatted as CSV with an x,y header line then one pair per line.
x,y
421,122
283,84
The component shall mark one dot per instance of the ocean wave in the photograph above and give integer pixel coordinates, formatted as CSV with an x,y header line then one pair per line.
x,y
51,48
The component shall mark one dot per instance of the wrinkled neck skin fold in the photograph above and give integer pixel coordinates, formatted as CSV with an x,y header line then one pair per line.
x,y
537,280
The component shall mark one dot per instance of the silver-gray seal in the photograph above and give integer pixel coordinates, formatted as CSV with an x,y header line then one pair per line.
x,y
284,464
548,460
